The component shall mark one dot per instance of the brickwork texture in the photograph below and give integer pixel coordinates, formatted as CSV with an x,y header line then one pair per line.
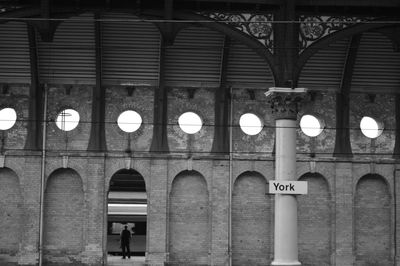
x,y
347,217
203,207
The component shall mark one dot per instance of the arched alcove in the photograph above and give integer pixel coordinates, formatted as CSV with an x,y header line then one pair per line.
x,y
64,212
130,50
373,222
251,221
11,212
127,206
14,53
69,57
315,221
189,218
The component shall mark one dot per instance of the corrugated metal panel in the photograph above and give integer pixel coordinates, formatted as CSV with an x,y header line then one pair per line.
x,y
130,50
377,65
14,53
324,69
247,69
70,58
195,58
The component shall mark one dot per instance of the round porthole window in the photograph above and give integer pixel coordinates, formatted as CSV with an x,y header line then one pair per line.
x,y
370,127
311,126
129,121
67,119
190,122
8,117
250,124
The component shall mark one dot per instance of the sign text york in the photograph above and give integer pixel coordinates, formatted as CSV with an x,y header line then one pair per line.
x,y
288,187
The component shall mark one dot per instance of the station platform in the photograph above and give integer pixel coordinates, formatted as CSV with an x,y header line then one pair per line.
x,y
119,261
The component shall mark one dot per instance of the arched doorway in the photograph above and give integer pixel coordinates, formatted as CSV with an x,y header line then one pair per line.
x,y
127,206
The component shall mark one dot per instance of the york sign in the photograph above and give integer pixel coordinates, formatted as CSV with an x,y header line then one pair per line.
x,y
288,187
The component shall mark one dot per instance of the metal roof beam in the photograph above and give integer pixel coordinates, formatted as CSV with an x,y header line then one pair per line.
x,y
97,141
221,111
34,138
160,141
286,45
342,141
348,69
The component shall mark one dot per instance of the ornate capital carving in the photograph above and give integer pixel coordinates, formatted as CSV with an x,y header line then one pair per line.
x,y
285,105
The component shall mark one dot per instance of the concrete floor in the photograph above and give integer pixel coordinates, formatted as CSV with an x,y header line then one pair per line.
x,y
118,261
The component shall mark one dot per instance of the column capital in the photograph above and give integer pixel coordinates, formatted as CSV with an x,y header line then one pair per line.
x,y
285,102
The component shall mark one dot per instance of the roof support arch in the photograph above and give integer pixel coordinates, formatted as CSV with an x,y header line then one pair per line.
x,y
324,42
231,32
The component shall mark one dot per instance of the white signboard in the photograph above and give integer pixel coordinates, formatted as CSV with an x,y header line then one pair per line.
x,y
288,187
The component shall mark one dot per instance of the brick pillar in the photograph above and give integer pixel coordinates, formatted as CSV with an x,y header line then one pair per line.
x,y
344,215
95,197
30,187
157,213
219,217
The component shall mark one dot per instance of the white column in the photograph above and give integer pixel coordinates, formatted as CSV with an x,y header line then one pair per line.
x,y
285,244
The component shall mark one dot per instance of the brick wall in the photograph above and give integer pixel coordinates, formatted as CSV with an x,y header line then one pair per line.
x,y
202,104
252,230
373,223
336,233
346,223
59,99
63,217
315,222
381,109
323,107
189,214
141,101
263,142
16,98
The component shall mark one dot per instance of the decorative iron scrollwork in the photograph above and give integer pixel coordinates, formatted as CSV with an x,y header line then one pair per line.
x,y
317,27
258,26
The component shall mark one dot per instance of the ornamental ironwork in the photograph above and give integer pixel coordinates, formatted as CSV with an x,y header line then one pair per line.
x,y
316,27
258,26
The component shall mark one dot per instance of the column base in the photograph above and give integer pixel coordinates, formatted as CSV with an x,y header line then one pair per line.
x,y
285,263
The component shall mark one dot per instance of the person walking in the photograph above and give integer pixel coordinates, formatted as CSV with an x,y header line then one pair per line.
x,y
125,239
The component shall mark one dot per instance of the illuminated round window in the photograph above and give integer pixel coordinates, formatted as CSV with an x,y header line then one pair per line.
x,y
310,125
370,127
67,119
250,124
8,117
190,122
129,121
